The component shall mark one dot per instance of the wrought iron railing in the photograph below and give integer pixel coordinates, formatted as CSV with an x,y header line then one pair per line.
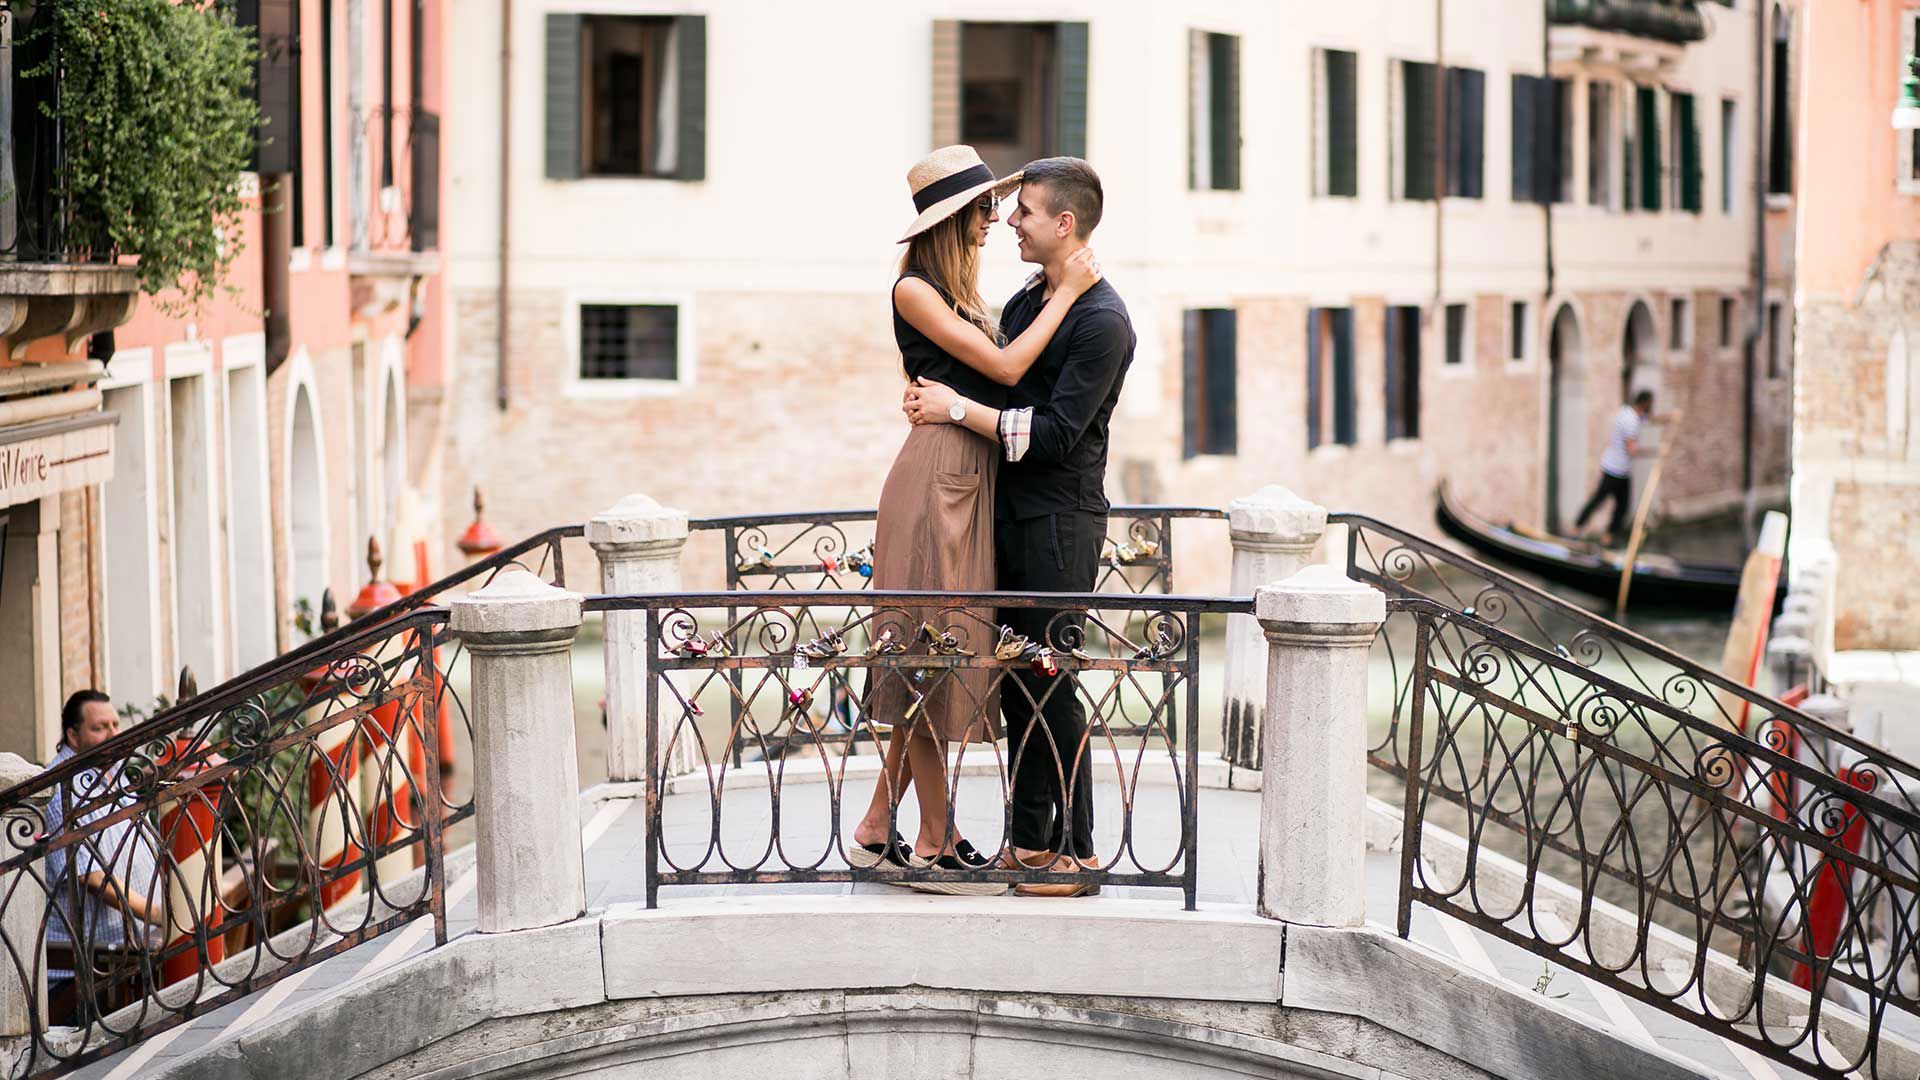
x,y
1602,781
1402,564
37,223
244,835
833,549
937,663
401,149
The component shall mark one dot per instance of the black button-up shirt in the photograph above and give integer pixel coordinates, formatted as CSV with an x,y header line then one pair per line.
x,y
1071,389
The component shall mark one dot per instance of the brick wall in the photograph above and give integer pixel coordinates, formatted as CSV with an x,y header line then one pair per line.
x,y
795,406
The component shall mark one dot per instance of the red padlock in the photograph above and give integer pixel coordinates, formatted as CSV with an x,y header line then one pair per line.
x,y
1043,663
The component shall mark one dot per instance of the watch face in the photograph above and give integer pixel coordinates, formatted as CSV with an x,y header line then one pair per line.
x,y
957,411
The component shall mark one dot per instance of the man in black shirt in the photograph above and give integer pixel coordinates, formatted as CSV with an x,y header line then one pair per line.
x,y
1050,517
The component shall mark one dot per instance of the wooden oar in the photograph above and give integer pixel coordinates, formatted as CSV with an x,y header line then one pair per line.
x,y
1640,522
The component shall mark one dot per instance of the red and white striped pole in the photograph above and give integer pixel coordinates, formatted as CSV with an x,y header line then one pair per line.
x,y
190,830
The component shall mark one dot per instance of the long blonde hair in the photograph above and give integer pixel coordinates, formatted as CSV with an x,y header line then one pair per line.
x,y
949,254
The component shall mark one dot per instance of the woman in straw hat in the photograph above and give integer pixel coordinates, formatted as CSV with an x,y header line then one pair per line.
x,y
935,526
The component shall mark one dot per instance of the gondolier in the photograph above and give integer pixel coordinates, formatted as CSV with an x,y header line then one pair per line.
x,y
1616,468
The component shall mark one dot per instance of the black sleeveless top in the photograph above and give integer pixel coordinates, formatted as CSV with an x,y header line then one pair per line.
x,y
925,360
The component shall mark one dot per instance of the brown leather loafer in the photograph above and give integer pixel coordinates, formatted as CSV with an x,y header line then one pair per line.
x,y
1019,858
1066,864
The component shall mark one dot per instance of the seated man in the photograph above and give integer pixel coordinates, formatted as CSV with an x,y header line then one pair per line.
x,y
104,891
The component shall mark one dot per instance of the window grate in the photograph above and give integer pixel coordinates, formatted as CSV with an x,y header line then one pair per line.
x,y
629,341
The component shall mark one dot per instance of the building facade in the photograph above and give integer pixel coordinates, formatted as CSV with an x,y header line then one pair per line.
x,y
1366,249
250,448
1856,437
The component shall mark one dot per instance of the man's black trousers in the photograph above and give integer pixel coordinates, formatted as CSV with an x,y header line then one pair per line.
x,y
1052,783
1620,489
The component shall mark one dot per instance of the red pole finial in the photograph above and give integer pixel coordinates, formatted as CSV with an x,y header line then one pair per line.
x,y
375,594
479,541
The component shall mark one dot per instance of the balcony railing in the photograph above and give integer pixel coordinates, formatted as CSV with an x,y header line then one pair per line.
x,y
400,149
1676,21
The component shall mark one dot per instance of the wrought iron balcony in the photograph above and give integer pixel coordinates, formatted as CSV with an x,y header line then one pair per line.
x,y
1675,21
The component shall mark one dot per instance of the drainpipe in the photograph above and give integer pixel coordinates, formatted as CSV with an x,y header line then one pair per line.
x,y
506,157
276,256
1757,310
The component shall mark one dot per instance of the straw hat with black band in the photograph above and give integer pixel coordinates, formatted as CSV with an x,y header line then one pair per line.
x,y
946,180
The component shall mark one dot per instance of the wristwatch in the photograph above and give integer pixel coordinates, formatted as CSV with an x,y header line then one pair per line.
x,y
957,411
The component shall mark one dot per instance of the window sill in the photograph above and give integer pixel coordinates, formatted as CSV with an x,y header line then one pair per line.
x,y
623,389
1329,451
1779,201
1405,445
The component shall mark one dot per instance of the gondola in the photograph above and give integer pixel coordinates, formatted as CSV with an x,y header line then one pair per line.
x,y
1658,581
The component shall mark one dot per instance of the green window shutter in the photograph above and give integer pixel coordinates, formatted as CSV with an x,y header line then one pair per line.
x,y
1314,345
563,96
1418,132
1222,387
1224,99
690,46
1689,163
1526,186
1344,420
1552,148
1071,95
1395,423
1343,148
1466,108
1648,101
1193,372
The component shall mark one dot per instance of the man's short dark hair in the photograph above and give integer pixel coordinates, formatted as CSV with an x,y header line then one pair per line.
x,y
1644,399
70,713
1072,185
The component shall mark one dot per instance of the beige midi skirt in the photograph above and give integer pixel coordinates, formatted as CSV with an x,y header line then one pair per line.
x,y
935,531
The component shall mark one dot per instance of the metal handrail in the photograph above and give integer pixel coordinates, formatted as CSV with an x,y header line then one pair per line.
x,y
1583,646
1530,739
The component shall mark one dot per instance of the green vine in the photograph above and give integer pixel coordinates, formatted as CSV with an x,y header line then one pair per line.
x,y
157,109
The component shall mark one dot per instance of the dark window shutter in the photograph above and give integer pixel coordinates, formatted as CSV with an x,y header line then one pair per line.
x,y
690,42
1526,186
1648,101
1222,436
1552,145
1071,95
1224,99
1343,404
1410,374
563,96
1192,342
1395,424
1466,128
1314,345
1418,134
1343,151
1689,163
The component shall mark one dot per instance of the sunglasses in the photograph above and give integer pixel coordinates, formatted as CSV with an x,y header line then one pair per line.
x,y
987,205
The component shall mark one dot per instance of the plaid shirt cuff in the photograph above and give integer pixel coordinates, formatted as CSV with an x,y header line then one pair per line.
x,y
1016,432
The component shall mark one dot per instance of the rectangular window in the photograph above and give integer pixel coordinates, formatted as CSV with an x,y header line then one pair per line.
x,y
1519,328
1456,328
626,96
1729,157
1542,140
1213,154
629,341
1014,91
1685,154
1330,402
1726,322
1336,136
1679,323
1779,345
1403,373
1599,144
1211,393
1418,130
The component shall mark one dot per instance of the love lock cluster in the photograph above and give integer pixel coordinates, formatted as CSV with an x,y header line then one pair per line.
x,y
712,646
1131,554
853,562
759,560
1012,646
